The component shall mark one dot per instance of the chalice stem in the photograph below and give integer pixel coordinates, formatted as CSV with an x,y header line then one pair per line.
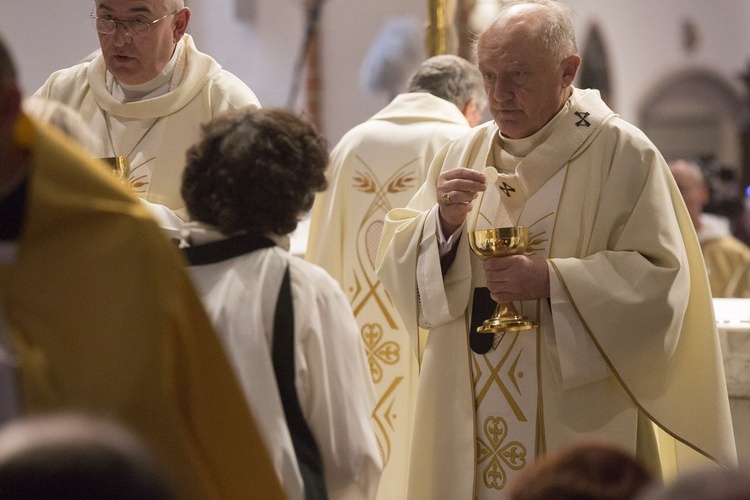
x,y
505,319
506,310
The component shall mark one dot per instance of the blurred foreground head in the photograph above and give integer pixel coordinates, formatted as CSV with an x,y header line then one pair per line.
x,y
705,484
66,457
589,470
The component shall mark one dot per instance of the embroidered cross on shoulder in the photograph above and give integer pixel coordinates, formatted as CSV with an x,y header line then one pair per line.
x,y
507,189
582,122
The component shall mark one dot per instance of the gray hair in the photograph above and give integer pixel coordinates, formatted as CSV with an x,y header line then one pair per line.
x,y
557,35
449,77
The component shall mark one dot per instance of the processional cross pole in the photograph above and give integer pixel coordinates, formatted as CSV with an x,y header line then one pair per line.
x,y
312,75
437,28
308,63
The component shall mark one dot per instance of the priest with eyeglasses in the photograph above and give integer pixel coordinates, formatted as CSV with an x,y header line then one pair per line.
x,y
145,95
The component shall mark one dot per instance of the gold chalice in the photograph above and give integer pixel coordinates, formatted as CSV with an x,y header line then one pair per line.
x,y
120,166
500,242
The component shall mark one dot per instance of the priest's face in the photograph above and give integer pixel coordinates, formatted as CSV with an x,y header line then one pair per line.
x,y
137,56
525,85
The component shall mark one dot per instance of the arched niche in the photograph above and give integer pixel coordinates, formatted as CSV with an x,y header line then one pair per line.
x,y
694,113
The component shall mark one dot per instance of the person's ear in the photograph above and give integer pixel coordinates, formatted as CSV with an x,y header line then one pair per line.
x,y
473,111
703,194
569,69
182,19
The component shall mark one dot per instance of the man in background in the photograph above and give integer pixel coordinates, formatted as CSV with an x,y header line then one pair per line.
x,y
727,258
146,95
377,166
98,315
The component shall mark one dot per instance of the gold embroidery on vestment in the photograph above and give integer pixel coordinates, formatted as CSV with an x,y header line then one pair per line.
x,y
498,455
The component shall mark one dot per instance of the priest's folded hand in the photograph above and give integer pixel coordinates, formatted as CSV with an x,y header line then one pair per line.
x,y
516,277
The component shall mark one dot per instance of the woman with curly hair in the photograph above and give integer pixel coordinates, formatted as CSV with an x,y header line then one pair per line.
x,y
286,325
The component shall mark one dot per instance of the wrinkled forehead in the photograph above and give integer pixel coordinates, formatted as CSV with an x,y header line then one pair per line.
x,y
517,22
134,6
514,41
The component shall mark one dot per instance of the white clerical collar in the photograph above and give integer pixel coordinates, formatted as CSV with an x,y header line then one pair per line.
x,y
158,86
522,147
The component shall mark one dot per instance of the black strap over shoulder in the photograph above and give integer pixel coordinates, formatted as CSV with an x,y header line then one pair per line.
x,y
217,251
305,448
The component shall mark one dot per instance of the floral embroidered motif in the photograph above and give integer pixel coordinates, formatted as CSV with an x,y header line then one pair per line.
x,y
377,351
498,455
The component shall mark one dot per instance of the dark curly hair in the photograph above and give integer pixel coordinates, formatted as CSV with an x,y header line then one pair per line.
x,y
255,171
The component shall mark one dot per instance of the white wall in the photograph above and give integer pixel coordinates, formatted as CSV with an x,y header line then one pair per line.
x,y
643,39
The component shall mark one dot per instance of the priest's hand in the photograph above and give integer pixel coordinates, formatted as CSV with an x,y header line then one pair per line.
x,y
456,189
516,277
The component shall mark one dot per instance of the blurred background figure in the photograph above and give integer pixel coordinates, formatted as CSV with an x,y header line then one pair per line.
x,y
587,470
393,57
378,166
710,484
76,457
285,323
727,258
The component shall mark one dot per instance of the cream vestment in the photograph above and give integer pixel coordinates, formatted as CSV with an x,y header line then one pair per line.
x,y
727,258
377,166
627,346
197,90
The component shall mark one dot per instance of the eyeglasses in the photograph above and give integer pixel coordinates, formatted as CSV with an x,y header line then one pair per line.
x,y
108,25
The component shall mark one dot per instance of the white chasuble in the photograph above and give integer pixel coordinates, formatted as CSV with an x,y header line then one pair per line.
x,y
139,140
192,89
507,392
376,167
626,279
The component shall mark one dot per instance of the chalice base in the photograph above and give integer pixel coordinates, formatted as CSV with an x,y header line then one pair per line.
x,y
507,324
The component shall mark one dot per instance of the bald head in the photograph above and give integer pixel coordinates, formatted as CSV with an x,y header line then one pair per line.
x,y
692,185
551,23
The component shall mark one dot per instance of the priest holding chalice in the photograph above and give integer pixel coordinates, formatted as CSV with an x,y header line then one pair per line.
x,y
567,216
